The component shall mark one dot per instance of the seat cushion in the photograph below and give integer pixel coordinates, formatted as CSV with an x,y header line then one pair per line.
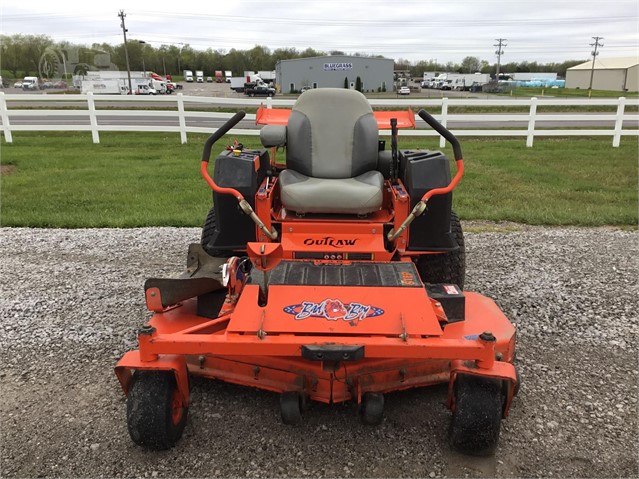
x,y
304,194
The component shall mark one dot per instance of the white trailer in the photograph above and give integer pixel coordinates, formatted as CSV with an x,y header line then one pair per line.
x,y
188,76
267,76
464,81
237,84
227,76
199,76
105,87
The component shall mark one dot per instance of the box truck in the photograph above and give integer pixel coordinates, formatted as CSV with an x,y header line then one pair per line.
x,y
199,76
188,76
105,87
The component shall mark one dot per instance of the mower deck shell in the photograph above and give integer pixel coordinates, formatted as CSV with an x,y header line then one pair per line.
x,y
260,354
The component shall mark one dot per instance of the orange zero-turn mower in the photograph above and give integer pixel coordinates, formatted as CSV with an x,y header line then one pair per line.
x,y
335,276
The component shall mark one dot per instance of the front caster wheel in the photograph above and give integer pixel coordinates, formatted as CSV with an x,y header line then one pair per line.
x,y
291,408
476,422
372,408
155,415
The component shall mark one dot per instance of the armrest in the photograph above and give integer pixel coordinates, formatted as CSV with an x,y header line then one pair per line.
x,y
273,135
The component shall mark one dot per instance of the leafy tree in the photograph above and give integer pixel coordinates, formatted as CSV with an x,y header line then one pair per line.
x,y
358,84
470,65
310,52
33,48
12,53
346,82
22,54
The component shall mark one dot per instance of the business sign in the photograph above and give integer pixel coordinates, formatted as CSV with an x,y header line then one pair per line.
x,y
333,67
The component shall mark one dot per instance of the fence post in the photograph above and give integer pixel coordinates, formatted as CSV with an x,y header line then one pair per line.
x,y
181,118
531,121
93,118
6,126
269,102
443,121
616,139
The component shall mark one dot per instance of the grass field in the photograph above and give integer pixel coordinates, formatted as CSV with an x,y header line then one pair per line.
x,y
145,179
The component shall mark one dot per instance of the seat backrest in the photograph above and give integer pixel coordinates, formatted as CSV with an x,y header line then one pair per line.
x,y
332,133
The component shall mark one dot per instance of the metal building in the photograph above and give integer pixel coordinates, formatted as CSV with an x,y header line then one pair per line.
x,y
331,71
616,74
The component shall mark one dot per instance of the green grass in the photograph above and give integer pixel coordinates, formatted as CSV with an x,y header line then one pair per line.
x,y
150,179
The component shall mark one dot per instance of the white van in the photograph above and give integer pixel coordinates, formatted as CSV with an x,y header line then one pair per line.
x,y
30,83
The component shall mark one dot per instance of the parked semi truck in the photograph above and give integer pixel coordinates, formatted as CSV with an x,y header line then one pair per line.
x,y
188,76
199,76
105,87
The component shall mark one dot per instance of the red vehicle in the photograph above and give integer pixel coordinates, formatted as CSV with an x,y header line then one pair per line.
x,y
325,278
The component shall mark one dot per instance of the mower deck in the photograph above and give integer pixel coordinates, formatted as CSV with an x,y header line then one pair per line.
x,y
382,333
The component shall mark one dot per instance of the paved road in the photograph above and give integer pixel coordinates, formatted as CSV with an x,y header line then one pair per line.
x,y
147,118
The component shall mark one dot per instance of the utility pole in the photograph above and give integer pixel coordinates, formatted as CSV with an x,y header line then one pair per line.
x,y
126,51
594,54
500,44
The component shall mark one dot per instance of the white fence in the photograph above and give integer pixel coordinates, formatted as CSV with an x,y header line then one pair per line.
x,y
531,118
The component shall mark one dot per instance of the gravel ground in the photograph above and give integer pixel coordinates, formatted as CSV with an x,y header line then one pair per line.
x,y
70,301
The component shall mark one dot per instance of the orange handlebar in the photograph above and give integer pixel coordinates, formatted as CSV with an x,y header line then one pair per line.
x,y
451,186
206,155
213,185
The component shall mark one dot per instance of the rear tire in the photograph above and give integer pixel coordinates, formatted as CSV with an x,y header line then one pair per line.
x,y
208,233
155,418
476,422
449,268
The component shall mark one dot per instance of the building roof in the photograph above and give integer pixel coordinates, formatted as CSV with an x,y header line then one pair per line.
x,y
334,57
608,64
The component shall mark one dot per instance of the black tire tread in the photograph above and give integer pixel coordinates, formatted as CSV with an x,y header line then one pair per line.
x,y
208,233
291,408
476,421
149,410
448,267
209,227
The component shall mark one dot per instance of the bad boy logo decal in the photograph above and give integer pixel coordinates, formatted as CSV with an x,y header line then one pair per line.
x,y
333,309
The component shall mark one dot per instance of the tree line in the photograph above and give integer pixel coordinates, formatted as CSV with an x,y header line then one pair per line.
x,y
24,55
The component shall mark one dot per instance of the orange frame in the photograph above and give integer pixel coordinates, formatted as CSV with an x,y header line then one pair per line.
x,y
410,344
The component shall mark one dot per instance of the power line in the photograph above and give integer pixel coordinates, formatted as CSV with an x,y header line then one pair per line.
x,y
337,22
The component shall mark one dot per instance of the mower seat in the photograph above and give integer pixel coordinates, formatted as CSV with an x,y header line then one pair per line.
x,y
331,155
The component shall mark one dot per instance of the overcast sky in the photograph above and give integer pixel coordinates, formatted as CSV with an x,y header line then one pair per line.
x,y
445,30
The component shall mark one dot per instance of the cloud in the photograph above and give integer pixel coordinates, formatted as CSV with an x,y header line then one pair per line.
x,y
540,30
